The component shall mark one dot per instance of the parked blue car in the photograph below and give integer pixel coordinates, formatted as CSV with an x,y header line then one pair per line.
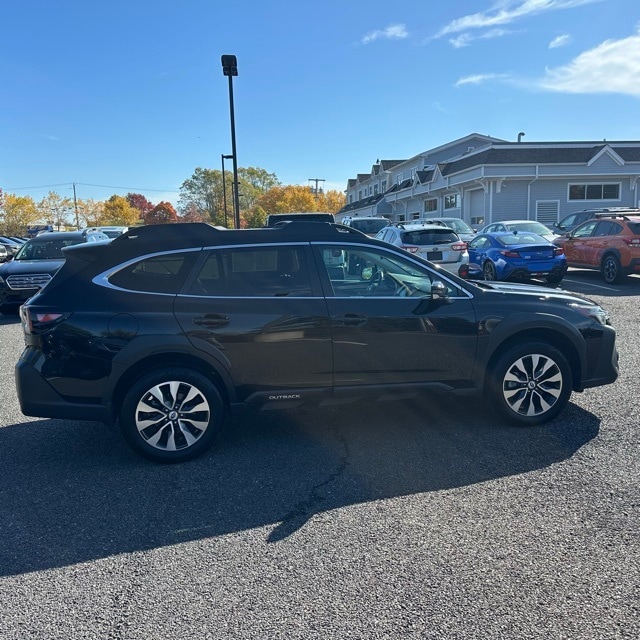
x,y
514,255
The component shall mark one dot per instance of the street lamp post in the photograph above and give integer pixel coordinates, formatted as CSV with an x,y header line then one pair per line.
x,y
224,187
230,69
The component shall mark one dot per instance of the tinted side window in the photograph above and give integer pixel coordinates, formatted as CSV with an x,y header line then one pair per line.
x,y
585,230
253,272
607,228
158,274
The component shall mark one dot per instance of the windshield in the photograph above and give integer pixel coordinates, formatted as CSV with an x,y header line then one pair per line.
x,y
460,226
370,227
534,227
45,249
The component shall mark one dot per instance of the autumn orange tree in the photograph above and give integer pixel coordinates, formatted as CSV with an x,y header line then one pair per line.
x,y
163,212
118,211
291,198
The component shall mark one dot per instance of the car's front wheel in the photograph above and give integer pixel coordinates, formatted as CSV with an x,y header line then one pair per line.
x,y
530,383
172,415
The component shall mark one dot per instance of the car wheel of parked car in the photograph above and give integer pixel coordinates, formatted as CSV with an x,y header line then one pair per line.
x,y
9,309
530,384
172,415
489,271
554,279
611,270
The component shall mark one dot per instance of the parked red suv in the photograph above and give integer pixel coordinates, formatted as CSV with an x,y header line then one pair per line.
x,y
609,243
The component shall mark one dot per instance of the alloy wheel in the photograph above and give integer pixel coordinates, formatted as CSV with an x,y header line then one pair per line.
x,y
532,385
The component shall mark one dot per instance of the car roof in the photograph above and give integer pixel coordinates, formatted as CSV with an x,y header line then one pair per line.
x,y
54,235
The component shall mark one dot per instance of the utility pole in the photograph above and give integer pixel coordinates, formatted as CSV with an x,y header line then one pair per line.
x,y
75,205
316,180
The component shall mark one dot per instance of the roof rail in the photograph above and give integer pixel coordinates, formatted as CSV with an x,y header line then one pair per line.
x,y
313,228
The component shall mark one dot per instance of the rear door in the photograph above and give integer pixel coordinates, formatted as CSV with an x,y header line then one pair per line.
x,y
603,238
259,310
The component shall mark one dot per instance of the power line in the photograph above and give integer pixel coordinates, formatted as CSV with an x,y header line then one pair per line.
x,y
86,184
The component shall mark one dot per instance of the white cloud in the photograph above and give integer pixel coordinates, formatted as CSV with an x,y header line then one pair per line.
x,y
507,11
560,41
480,78
611,67
392,32
464,39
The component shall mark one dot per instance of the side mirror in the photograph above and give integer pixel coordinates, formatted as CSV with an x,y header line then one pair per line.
x,y
438,290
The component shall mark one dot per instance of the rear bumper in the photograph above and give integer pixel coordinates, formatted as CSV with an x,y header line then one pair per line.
x,y
38,398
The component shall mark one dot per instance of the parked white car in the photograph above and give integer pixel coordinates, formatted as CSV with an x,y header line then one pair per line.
x,y
531,226
434,242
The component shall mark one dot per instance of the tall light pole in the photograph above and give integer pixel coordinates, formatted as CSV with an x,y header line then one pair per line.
x,y
224,187
230,69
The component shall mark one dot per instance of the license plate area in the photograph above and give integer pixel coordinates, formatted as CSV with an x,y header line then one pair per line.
x,y
434,255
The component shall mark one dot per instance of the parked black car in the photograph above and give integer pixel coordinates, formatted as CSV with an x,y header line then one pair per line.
x,y
169,327
35,263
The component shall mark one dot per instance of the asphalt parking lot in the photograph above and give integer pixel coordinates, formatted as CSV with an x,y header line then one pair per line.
x,y
420,519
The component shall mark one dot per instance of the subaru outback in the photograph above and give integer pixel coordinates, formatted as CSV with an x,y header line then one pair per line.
x,y
169,327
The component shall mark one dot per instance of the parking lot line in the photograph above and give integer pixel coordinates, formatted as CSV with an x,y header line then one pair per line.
x,y
590,284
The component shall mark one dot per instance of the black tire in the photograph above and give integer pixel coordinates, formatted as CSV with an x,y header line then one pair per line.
x,y
611,270
9,309
554,279
530,384
171,415
489,271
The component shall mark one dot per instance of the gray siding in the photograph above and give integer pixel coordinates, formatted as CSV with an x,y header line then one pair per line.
x,y
511,202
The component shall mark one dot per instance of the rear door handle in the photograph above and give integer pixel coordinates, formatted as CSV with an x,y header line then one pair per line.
x,y
350,319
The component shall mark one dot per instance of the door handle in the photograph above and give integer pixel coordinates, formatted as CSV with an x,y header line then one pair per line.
x,y
350,319
212,320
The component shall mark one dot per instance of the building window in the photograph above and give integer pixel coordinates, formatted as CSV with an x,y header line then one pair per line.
x,y
375,189
351,199
431,205
452,202
399,178
416,215
384,186
360,195
610,191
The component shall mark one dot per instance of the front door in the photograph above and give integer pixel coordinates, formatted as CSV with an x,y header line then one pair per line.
x,y
385,327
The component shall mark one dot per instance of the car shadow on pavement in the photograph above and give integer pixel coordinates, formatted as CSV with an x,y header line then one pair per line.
x,y
73,492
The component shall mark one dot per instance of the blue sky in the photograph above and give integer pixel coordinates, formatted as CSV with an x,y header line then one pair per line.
x,y
130,95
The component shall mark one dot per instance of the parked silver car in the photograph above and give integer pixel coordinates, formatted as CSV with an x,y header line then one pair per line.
x,y
434,242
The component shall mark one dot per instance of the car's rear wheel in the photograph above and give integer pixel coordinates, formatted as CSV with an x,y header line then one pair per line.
x,y
530,384
489,271
9,309
611,270
172,415
554,279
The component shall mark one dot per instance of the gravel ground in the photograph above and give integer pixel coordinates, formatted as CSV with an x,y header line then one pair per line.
x,y
399,520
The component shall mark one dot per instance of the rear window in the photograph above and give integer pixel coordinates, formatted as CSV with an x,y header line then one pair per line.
x,y
521,238
428,237
159,274
634,227
369,226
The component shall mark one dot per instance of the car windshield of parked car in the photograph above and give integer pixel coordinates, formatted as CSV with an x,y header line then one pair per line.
x,y
425,237
369,226
534,227
45,249
459,226
521,238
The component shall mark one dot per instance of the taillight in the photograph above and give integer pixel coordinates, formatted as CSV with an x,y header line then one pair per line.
x,y
558,251
632,242
409,248
459,246
510,254
36,321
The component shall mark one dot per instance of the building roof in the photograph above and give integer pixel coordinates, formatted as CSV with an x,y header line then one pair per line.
x,y
361,204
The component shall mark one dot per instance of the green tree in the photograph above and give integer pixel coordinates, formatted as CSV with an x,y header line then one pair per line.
x,y
201,194
254,217
16,213
56,210
118,211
